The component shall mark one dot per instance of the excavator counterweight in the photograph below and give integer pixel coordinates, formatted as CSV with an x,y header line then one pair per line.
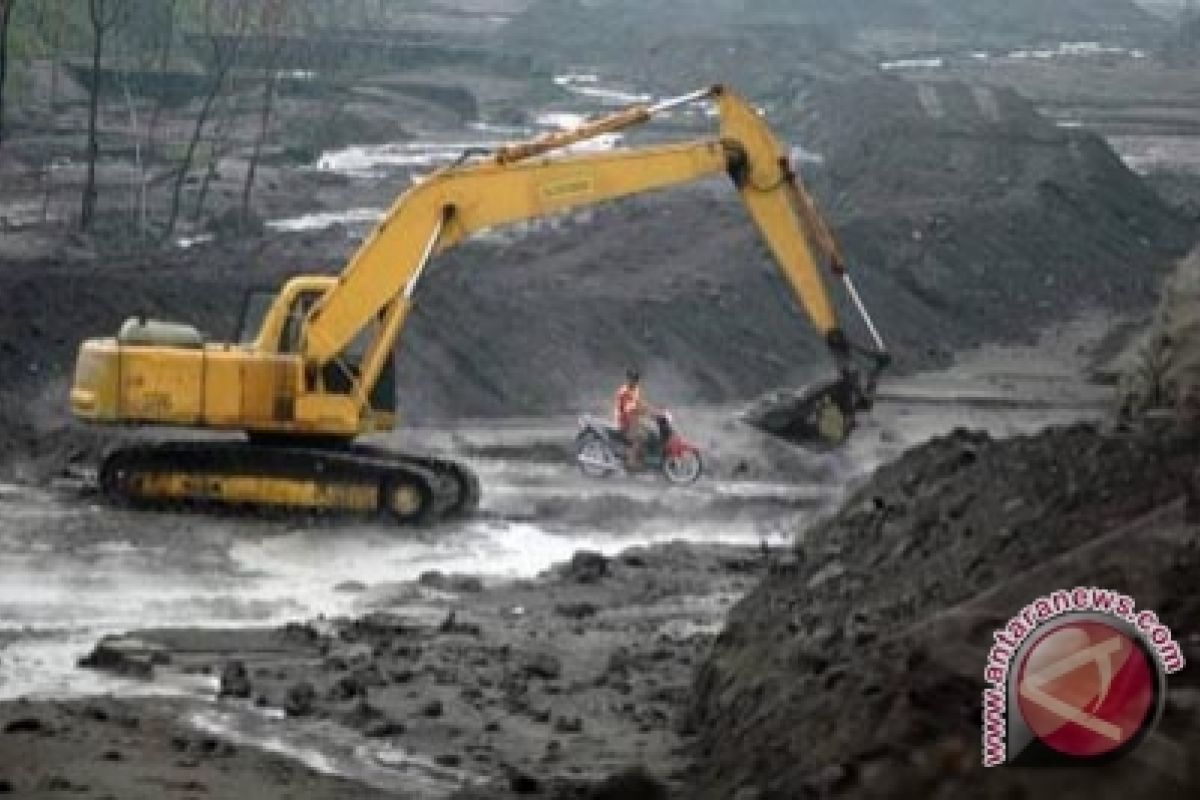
x,y
311,373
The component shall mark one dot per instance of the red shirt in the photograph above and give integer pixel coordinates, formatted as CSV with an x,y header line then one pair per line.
x,y
629,398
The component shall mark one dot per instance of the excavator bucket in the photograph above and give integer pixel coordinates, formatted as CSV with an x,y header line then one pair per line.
x,y
818,417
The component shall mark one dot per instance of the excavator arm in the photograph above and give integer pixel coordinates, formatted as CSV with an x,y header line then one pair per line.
x,y
543,177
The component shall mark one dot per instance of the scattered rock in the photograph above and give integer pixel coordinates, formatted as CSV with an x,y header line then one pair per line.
x,y
343,656
346,688
126,656
384,729
452,627
523,783
301,700
450,760
362,715
455,583
581,610
433,579
568,725
235,681
386,625
619,662
587,567
350,587
634,557
632,784
433,709
96,714
25,725
212,747
542,665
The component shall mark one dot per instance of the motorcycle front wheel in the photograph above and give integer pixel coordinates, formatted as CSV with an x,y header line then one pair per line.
x,y
684,468
594,456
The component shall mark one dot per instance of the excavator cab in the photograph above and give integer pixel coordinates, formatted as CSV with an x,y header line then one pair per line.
x,y
339,376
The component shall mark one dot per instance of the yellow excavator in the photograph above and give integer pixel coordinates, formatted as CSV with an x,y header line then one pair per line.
x,y
314,368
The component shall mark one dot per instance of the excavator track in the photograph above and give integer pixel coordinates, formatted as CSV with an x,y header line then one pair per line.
x,y
410,489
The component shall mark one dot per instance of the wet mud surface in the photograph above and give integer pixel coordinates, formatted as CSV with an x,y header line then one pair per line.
x,y
547,644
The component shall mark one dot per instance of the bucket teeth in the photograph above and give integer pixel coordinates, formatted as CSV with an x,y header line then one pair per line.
x,y
820,417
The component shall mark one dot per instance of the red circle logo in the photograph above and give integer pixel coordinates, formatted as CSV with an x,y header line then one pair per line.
x,y
1087,688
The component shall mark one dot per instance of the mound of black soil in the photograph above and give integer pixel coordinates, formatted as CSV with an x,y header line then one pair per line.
x,y
857,669
966,217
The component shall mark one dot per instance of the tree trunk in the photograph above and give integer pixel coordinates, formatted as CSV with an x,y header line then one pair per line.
x,y
271,81
6,7
150,141
54,37
189,156
219,139
131,108
88,211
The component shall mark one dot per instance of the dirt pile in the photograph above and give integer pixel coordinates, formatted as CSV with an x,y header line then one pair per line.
x,y
967,218
856,670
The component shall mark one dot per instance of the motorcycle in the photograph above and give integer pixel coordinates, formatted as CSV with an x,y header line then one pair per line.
x,y
602,450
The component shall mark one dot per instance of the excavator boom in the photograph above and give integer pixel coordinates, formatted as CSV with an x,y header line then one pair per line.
x,y
308,381
522,182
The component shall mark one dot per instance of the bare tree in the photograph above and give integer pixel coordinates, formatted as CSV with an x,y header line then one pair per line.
x,y
218,142
225,26
164,61
104,16
52,22
6,7
149,137
271,22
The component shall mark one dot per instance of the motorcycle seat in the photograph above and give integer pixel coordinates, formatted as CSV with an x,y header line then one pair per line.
x,y
616,434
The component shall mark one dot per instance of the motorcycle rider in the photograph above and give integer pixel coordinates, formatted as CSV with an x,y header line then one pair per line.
x,y
633,417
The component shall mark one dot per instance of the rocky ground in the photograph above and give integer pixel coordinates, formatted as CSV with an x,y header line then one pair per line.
x,y
537,686
857,653
115,749
423,685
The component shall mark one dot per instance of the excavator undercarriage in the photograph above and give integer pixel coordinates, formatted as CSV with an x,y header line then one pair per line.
x,y
351,479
